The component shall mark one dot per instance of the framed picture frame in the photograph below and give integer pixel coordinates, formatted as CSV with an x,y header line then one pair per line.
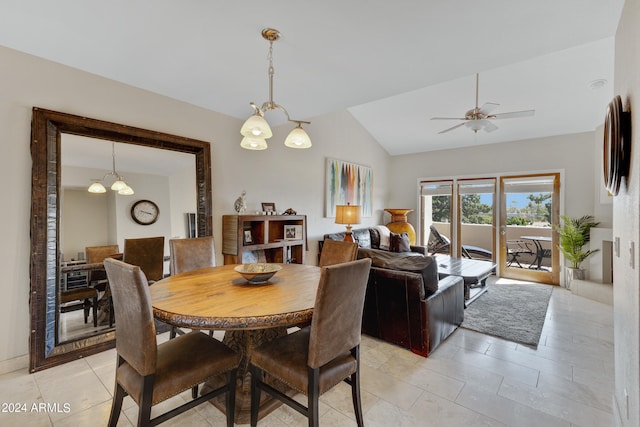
x,y
292,232
268,207
247,237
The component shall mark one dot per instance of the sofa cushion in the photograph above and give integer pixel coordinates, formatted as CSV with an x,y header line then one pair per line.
x,y
406,261
399,242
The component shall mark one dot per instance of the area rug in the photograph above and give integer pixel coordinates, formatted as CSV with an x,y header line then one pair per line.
x,y
512,311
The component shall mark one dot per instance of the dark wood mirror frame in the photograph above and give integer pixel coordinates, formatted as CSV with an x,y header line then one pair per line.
x,y
46,129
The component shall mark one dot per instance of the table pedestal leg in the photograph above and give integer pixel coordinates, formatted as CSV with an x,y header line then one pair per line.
x,y
244,342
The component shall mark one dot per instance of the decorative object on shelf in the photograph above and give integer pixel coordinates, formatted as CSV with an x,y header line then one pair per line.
x,y
269,208
145,212
241,203
118,185
348,215
400,225
256,130
348,183
257,273
617,145
248,239
292,232
290,211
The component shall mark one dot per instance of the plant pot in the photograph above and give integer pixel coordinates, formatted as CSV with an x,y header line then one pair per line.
x,y
572,274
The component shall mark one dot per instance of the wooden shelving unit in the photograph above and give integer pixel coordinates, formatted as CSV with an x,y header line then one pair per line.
x,y
261,238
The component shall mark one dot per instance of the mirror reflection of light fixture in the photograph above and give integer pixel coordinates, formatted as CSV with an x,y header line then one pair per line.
x,y
256,130
348,214
118,185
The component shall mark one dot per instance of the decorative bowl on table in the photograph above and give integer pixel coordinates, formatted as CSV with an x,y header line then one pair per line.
x,y
257,273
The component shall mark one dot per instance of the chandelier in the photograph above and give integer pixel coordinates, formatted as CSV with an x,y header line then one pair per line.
x,y
256,130
118,185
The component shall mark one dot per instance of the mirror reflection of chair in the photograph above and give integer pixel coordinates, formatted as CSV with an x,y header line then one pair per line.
x,y
148,254
98,278
84,298
151,373
190,254
336,252
315,359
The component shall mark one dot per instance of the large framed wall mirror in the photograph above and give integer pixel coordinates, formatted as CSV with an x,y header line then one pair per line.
x,y
64,148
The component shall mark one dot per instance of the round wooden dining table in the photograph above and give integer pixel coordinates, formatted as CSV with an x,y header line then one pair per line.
x,y
218,298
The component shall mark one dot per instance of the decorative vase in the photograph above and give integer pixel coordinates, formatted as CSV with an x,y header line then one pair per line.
x,y
399,223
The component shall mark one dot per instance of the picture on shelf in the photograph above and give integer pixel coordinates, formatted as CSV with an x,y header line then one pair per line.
x,y
292,232
268,207
248,238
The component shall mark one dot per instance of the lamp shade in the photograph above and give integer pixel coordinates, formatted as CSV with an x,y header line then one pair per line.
x,y
127,191
298,138
119,185
97,188
251,143
256,127
347,214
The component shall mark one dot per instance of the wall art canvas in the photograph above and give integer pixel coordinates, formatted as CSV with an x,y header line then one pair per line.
x,y
348,183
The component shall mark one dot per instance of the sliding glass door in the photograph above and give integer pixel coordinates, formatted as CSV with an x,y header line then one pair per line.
x,y
436,209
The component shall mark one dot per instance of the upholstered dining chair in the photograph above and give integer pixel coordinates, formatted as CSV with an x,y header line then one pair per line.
x,y
336,252
190,254
315,359
151,373
148,254
94,255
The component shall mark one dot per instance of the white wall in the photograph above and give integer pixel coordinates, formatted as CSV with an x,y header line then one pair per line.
x,y
290,178
626,213
575,154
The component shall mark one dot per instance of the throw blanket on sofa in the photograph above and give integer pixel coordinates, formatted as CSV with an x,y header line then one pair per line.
x,y
406,261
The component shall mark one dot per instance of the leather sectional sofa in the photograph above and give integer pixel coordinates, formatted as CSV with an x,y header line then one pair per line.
x,y
405,303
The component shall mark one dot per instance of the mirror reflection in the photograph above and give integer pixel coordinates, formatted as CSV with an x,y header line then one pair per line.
x,y
95,225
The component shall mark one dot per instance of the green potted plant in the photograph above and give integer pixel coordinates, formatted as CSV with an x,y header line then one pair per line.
x,y
574,234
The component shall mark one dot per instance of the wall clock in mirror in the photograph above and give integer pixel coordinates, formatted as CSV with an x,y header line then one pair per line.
x,y
145,212
616,145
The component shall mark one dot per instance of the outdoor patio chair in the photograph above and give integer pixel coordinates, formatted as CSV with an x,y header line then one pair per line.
x,y
440,244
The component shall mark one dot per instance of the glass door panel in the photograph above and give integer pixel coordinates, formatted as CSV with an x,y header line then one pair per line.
x,y
528,243
477,219
436,208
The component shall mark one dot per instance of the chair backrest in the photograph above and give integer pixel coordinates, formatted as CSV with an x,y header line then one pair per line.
x,y
96,254
148,254
135,332
191,254
337,314
337,252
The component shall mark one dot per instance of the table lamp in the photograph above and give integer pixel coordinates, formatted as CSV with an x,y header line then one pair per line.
x,y
348,214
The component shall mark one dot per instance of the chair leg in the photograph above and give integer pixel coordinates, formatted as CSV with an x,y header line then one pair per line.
x,y
194,392
95,312
116,405
230,398
144,410
355,395
313,397
256,377
172,333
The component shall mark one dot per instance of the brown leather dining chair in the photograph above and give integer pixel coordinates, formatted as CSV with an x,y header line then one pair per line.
x,y
151,373
336,252
190,254
148,254
94,255
315,359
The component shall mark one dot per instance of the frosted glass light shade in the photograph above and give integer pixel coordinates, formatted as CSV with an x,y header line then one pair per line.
x,y
127,191
97,188
119,185
253,143
256,127
298,138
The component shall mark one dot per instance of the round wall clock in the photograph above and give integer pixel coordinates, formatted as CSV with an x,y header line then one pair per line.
x,y
616,146
145,212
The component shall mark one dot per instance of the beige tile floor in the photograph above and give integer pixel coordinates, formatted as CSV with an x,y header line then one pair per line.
x,y
470,380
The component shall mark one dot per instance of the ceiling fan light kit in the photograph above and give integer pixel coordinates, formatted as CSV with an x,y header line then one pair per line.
x,y
256,130
480,118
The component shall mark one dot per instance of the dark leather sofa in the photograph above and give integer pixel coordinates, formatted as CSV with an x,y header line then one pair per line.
x,y
406,304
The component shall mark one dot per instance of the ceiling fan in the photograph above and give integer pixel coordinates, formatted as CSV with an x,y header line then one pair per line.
x,y
481,118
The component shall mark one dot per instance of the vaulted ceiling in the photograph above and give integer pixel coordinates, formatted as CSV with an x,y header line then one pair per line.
x,y
393,65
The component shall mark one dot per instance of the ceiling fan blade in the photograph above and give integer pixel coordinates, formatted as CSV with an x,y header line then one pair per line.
x,y
490,127
448,118
488,107
451,128
514,114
